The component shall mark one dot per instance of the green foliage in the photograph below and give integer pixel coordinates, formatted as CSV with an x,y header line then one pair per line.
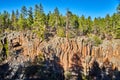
x,y
35,19
30,18
5,20
22,22
24,11
60,32
95,40
39,59
74,21
67,75
71,34
39,21
40,32
1,46
117,33
84,77
6,48
85,25
39,17
14,20
118,8
51,20
55,19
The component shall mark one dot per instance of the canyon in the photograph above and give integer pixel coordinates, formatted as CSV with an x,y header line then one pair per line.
x,y
74,56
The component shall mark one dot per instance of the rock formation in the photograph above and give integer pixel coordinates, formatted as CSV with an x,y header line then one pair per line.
x,y
75,55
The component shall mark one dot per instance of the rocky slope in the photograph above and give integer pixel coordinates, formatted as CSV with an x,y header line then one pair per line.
x,y
72,57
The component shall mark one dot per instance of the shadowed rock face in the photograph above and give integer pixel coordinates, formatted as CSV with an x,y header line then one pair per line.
x,y
74,55
76,51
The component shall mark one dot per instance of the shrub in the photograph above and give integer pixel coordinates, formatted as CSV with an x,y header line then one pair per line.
x,y
117,33
40,32
39,59
60,32
95,40
68,75
6,48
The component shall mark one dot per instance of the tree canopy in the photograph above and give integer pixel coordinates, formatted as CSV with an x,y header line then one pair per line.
x,y
35,19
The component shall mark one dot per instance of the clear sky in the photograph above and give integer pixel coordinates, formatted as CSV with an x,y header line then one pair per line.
x,y
93,8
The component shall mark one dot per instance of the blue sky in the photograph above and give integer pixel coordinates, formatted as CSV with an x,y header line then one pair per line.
x,y
93,8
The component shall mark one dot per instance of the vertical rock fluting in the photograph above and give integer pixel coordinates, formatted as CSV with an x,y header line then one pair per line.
x,y
84,51
74,54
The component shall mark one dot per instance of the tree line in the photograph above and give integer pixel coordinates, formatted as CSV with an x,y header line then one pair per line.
x,y
37,21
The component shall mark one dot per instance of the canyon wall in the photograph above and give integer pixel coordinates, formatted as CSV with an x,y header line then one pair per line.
x,y
76,54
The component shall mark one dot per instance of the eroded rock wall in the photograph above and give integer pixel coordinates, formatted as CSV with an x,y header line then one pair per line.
x,y
74,54
78,52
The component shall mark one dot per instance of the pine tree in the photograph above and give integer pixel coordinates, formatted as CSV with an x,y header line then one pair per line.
x,y
108,25
74,21
39,16
51,21
30,17
89,24
96,26
6,20
1,24
118,9
17,14
24,12
57,17
117,29
22,22
83,25
39,21
68,15
14,20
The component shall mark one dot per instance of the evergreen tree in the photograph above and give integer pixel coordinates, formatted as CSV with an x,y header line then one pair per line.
x,y
89,24
39,21
30,17
118,9
57,18
24,12
74,21
82,25
68,16
39,16
96,28
54,18
47,18
13,20
22,22
6,20
1,23
51,21
108,24
17,14
117,28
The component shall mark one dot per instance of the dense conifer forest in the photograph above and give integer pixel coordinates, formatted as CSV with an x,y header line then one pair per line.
x,y
37,21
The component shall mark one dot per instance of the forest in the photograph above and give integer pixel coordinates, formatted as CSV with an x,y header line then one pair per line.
x,y
37,21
